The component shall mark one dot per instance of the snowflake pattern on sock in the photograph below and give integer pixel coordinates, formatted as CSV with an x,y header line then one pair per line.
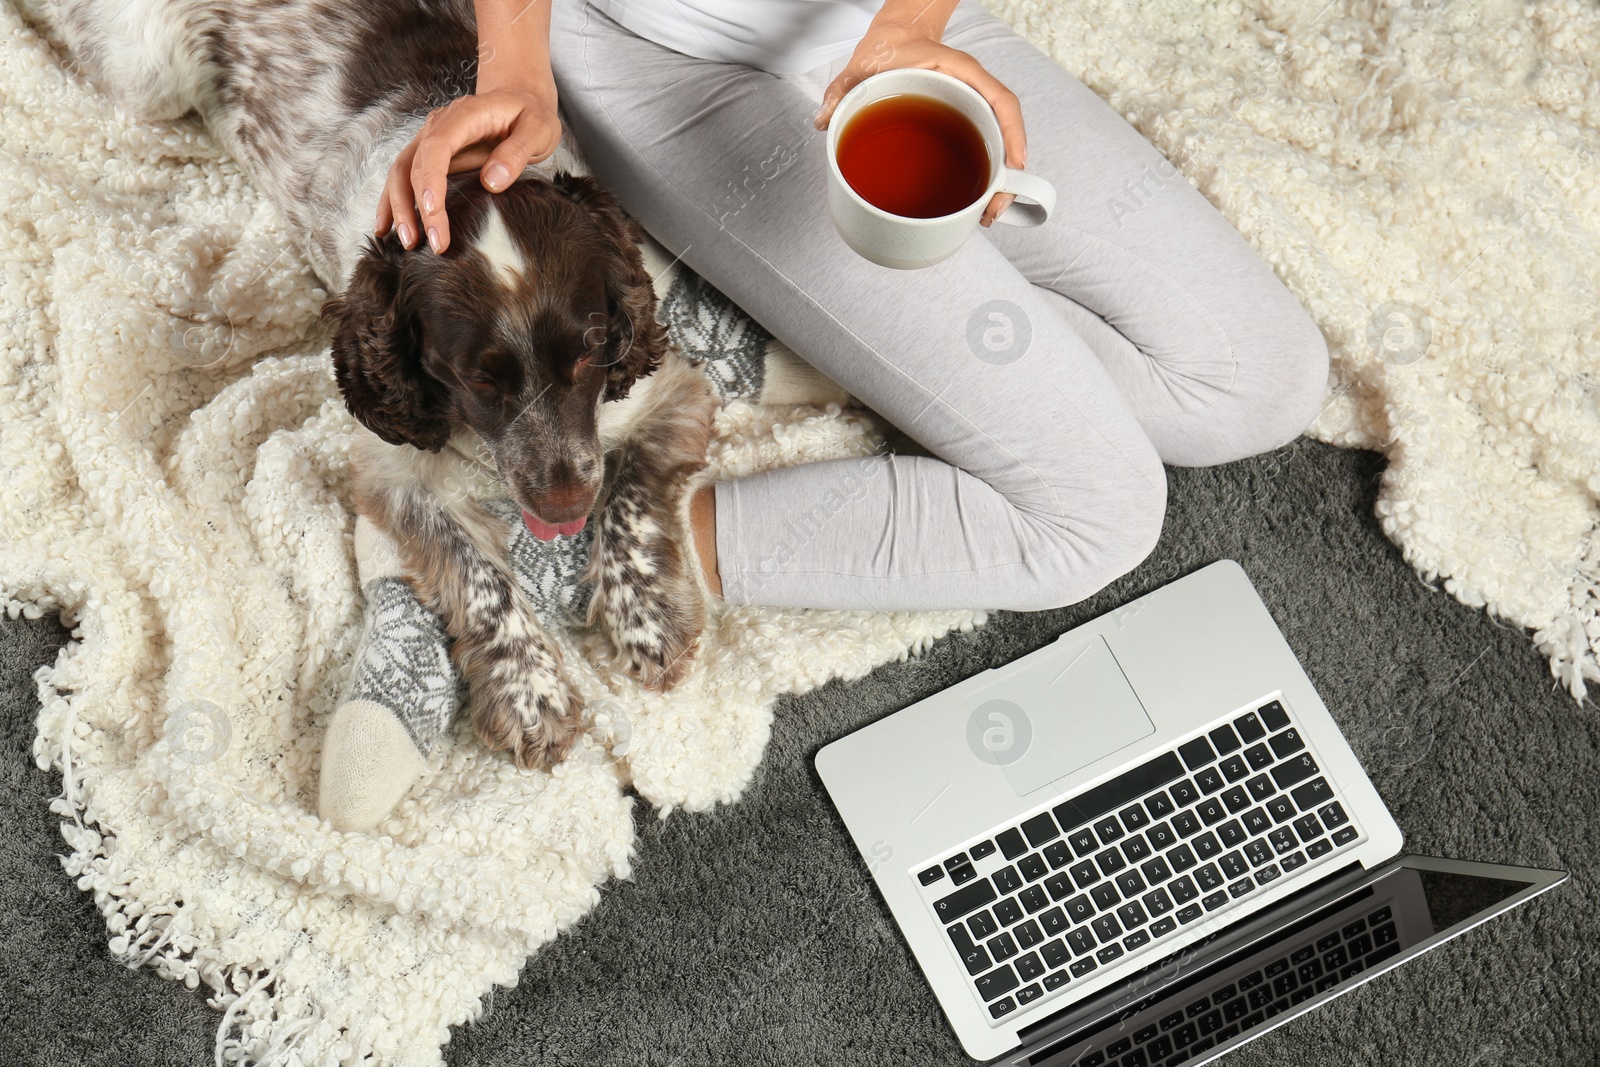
x,y
548,571
713,331
404,663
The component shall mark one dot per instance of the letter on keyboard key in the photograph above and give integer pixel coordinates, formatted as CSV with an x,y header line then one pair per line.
x,y
963,900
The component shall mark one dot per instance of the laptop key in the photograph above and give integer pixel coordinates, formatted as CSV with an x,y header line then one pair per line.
x,y
1190,914
1108,829
1058,854
1283,840
1225,739
1133,818
1197,753
1055,981
1080,941
1261,787
1186,823
1267,874
1184,793
1054,921
1082,967
931,875
1029,966
966,899
1380,916
1231,833
1106,929
1002,1007
1054,953
1257,821
1345,836
1084,874
1002,947
972,955
982,925
1281,808
1333,816
1029,993
1007,880
1109,796
1294,771
1208,877
963,874
1083,841
1207,845
998,981
1008,911
1136,848
981,849
1286,743
1059,886
958,860
1273,715
1132,915
1209,780
1033,867
1110,861
1236,799
1104,896
1234,768
1109,953
1308,827
1158,805
1157,902
1161,837
1155,871
1249,727
1241,887
1130,883
1034,899
1040,828
1163,927
1233,865
1314,793
1183,890
1257,852
1011,843
1028,935
1079,909
1181,858
1258,757
1211,811
1137,939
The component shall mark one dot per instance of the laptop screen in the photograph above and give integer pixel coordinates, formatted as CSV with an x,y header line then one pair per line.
x,y
1207,1002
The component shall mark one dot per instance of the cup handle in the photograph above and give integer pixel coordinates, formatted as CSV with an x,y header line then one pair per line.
x,y
1021,183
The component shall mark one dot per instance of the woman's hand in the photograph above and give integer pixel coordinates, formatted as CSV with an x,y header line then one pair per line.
x,y
895,40
499,130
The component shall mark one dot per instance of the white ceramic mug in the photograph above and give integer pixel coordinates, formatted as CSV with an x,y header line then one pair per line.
x,y
908,243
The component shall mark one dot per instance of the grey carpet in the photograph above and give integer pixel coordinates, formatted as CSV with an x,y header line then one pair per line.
x,y
752,935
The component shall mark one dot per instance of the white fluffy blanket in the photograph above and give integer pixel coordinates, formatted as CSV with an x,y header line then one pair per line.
x,y
175,485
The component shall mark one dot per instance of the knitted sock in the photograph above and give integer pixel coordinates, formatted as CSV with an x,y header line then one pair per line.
x,y
404,690
713,331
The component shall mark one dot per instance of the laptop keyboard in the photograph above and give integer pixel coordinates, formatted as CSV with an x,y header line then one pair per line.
x,y
1301,973
1113,873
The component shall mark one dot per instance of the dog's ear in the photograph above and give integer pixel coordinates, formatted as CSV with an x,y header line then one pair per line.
x,y
636,340
377,353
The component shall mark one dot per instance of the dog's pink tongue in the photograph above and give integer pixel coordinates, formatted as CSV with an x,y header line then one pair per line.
x,y
546,532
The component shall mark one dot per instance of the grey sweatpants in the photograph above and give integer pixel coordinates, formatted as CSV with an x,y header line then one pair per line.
x,y
1047,372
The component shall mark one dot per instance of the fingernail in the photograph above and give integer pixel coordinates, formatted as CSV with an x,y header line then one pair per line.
x,y
427,200
405,235
433,238
498,175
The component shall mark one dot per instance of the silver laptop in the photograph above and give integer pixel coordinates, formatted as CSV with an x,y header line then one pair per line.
x,y
1146,843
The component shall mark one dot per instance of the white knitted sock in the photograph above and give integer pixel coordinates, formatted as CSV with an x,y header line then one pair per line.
x,y
404,690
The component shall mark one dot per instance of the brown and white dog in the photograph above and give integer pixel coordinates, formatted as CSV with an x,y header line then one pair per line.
x,y
531,344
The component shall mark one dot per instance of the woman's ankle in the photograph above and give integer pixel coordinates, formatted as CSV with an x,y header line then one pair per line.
x,y
703,526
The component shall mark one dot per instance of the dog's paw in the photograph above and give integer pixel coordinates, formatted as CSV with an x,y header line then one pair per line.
x,y
644,598
522,703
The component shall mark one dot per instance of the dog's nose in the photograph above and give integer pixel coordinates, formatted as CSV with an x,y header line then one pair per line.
x,y
565,505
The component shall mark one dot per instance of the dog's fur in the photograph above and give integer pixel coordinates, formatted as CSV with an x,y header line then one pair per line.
x,y
531,346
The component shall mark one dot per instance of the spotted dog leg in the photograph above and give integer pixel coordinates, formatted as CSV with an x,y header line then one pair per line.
x,y
455,558
642,569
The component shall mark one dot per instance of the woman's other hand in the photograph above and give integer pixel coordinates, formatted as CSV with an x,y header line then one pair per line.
x,y
508,123
908,34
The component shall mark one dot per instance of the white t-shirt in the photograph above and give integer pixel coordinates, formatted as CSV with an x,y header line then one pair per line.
x,y
781,36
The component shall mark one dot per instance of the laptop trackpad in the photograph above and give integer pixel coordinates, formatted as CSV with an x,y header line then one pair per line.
x,y
1052,718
